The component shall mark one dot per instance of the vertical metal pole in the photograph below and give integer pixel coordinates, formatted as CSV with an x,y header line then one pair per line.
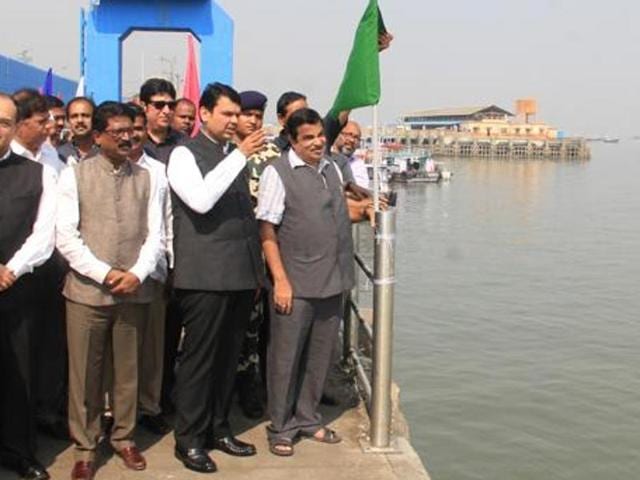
x,y
355,293
351,322
376,160
384,281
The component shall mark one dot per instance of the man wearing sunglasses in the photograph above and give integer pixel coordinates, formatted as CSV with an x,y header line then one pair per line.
x,y
158,98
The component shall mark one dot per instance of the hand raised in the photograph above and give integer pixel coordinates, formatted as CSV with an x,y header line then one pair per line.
x,y
253,143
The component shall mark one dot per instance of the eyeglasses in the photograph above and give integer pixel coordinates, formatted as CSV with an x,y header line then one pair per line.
x,y
353,136
120,132
160,104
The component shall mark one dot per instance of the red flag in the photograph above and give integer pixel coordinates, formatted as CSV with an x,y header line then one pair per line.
x,y
191,88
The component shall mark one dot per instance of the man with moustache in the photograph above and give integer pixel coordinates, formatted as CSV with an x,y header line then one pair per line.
x,y
158,98
184,118
151,368
109,228
56,120
81,145
347,144
218,270
27,217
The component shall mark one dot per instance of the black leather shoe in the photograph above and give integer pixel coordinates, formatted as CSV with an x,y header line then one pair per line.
x,y
233,446
33,471
196,459
155,424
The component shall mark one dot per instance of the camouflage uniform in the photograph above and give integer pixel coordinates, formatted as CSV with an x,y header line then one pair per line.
x,y
249,358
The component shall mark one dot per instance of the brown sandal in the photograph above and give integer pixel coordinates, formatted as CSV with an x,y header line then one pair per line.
x,y
282,447
329,436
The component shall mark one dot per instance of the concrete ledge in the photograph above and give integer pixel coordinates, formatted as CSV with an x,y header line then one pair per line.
x,y
312,460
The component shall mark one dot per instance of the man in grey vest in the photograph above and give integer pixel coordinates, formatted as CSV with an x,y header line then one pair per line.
x,y
305,228
109,228
218,270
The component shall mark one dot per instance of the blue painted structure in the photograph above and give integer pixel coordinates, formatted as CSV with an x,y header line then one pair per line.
x,y
109,22
15,75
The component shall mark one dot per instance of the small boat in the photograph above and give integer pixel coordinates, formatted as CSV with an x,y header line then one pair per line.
x,y
416,177
610,140
414,169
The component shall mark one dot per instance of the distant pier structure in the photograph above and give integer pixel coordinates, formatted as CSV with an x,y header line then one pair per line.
x,y
484,131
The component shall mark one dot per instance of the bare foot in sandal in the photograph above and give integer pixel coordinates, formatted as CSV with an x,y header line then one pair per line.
x,y
281,447
326,435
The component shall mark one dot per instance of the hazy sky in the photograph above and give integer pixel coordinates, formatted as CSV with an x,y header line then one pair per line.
x,y
577,57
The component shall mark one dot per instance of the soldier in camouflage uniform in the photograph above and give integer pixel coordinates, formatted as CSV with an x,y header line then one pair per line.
x,y
249,384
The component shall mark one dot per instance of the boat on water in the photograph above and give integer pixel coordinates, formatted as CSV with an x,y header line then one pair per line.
x,y
610,140
416,169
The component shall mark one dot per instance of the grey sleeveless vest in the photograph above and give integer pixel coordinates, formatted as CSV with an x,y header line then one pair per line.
x,y
315,233
219,250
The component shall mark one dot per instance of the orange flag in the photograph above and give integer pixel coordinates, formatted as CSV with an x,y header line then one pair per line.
x,y
191,88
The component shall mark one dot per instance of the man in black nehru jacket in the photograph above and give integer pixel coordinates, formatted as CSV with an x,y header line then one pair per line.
x,y
218,270
27,227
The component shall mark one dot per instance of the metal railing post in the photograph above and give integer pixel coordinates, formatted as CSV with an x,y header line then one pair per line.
x,y
383,292
350,331
351,321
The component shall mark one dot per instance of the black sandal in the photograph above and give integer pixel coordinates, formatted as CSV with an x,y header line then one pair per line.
x,y
329,436
282,447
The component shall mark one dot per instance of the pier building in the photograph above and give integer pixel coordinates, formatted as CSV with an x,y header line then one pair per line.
x,y
453,118
484,131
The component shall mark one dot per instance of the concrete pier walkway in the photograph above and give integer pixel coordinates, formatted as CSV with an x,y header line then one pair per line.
x,y
311,461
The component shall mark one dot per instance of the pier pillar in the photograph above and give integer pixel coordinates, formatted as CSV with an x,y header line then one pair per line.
x,y
383,293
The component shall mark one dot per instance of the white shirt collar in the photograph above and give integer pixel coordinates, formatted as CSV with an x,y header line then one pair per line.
x,y
21,150
6,155
142,160
296,161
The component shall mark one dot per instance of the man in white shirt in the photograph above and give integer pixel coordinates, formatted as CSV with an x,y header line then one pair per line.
x,y
110,230
32,130
56,120
27,224
151,371
81,145
349,145
31,142
218,270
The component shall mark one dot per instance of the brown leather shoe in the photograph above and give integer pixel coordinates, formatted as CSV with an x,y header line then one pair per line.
x,y
132,458
83,471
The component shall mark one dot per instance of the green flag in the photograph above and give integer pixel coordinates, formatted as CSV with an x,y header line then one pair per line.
x,y
361,83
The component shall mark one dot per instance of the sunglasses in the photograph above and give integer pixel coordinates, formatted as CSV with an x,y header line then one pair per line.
x,y
160,104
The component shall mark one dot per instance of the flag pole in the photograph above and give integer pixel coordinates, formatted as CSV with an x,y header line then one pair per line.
x,y
376,160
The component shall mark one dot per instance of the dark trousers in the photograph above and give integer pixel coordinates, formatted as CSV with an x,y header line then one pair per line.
x,y
298,358
17,399
51,342
214,324
172,332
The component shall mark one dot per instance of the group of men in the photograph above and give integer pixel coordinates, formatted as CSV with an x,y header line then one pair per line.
x,y
139,259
